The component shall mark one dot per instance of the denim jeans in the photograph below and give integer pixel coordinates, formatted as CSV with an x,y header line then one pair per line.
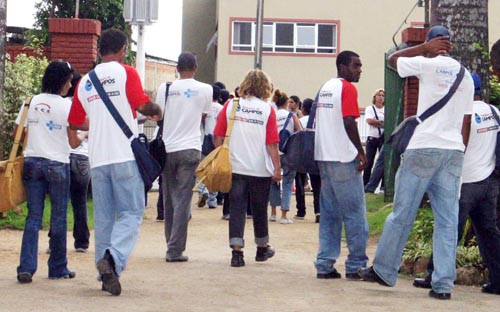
x,y
479,201
437,173
212,196
248,191
118,193
178,181
80,178
377,174
286,190
42,176
342,201
372,145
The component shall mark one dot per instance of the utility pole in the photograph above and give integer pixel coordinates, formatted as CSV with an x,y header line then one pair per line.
x,y
259,34
77,9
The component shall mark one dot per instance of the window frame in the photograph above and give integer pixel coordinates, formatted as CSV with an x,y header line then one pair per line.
x,y
271,49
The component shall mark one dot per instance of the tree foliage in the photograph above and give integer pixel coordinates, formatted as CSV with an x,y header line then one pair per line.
x,y
108,12
22,78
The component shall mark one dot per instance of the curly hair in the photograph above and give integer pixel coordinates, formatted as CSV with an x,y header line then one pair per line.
x,y
280,98
55,76
376,93
255,83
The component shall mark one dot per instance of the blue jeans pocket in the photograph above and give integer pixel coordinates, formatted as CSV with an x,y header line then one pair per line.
x,y
422,163
57,171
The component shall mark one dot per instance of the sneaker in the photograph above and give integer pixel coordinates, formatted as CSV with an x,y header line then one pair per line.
x,y
286,221
225,217
180,258
237,259
24,278
369,275
440,296
81,249
212,206
352,276
297,217
423,282
202,200
71,274
159,219
249,217
490,289
316,218
264,253
272,218
331,275
110,281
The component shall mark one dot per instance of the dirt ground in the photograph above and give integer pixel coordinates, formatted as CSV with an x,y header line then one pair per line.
x,y
206,282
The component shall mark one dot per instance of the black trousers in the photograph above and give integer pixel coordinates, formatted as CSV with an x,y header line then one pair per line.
x,y
478,201
372,145
300,183
316,188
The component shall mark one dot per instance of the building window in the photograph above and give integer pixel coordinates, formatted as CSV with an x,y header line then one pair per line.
x,y
286,37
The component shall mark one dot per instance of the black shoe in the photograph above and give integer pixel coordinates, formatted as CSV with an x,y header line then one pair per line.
x,y
490,289
24,278
264,253
316,220
237,259
71,274
110,282
440,296
353,276
422,283
369,275
180,258
202,200
332,274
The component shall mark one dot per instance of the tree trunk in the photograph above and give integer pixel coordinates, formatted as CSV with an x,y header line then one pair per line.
x,y
467,21
3,35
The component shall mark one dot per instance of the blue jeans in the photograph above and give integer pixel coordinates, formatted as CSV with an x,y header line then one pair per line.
x,y
287,185
80,178
377,174
42,176
118,193
342,200
437,173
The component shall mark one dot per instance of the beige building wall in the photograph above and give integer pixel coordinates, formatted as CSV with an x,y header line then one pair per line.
x,y
156,74
199,22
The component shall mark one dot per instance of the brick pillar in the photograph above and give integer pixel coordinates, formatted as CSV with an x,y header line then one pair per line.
x,y
75,41
412,37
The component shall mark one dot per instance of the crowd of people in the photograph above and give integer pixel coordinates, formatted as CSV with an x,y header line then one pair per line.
x,y
196,117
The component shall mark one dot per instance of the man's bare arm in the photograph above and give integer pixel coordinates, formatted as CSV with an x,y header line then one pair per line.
x,y
352,132
436,46
466,129
84,126
151,110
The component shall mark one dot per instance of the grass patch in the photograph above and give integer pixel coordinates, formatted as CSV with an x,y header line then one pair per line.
x,y
376,212
17,221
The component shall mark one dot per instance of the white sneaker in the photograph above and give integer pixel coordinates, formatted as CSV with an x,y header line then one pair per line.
x,y
272,218
286,221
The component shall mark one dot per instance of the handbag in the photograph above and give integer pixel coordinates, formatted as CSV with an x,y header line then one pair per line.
x,y
215,169
12,191
157,145
497,146
401,136
284,133
148,166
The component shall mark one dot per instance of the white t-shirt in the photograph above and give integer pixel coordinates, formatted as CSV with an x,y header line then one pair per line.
x,y
254,128
370,114
107,142
187,101
436,75
479,158
304,120
338,98
47,123
211,118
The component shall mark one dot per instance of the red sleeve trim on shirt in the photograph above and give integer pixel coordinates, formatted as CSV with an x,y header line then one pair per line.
x,y
349,104
135,93
272,135
221,125
77,114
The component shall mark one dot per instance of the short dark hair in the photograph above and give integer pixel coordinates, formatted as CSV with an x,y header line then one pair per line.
x,y
224,96
495,55
74,82
215,93
55,76
307,105
220,84
112,41
344,58
186,62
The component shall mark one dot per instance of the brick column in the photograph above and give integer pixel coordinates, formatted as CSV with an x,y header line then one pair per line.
x,y
412,37
75,41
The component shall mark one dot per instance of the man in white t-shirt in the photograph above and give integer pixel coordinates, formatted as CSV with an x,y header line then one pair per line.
x,y
117,185
479,191
189,101
431,164
341,159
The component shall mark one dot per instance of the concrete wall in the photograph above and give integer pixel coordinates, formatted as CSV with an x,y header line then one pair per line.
x,y
156,74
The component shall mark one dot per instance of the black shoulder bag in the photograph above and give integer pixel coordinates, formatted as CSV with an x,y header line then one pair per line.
x,y
401,136
157,146
148,166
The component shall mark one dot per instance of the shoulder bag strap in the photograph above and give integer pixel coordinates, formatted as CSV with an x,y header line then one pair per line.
x,y
229,129
160,123
312,114
493,111
287,120
376,117
17,137
441,103
109,105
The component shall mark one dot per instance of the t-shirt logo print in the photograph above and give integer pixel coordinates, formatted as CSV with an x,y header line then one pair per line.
x,y
189,93
477,118
52,126
88,85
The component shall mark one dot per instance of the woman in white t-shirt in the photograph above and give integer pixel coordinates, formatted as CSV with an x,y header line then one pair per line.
x,y
276,199
46,171
374,117
254,160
